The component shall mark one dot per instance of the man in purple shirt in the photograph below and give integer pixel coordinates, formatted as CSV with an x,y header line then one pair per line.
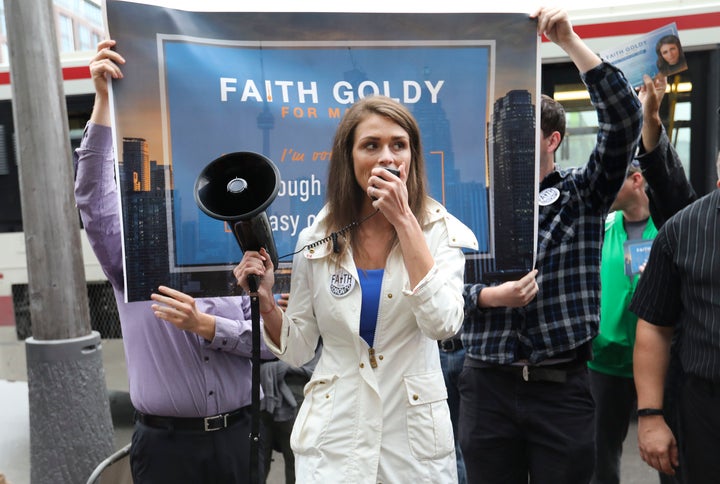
x,y
188,360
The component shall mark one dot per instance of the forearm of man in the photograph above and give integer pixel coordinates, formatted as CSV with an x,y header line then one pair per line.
x,y
101,110
582,56
492,297
651,357
651,128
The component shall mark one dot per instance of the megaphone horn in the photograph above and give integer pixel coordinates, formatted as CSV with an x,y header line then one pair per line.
x,y
237,188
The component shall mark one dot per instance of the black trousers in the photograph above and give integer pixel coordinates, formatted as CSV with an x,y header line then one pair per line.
x,y
700,424
614,405
512,430
159,455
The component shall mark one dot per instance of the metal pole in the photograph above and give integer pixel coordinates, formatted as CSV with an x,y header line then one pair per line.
x,y
70,425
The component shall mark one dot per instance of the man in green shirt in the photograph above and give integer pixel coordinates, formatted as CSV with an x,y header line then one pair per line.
x,y
654,189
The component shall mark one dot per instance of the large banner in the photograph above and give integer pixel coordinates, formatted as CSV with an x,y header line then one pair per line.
x,y
198,85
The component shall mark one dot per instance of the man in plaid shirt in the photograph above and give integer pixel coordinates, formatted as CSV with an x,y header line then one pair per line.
x,y
526,407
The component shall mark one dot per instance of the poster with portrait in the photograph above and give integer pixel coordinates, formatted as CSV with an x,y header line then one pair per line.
x,y
657,52
200,85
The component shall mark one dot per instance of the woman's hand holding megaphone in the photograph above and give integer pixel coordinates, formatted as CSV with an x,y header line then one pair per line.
x,y
258,266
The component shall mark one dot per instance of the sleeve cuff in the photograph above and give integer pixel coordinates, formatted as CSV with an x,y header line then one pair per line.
x,y
225,337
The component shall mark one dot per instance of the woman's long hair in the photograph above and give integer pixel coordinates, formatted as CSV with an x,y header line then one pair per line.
x,y
344,195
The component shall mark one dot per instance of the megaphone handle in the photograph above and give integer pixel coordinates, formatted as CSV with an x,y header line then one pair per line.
x,y
253,282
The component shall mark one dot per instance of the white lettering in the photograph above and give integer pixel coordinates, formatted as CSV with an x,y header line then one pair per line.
x,y
251,91
225,88
312,91
284,223
346,96
303,188
434,90
406,91
343,92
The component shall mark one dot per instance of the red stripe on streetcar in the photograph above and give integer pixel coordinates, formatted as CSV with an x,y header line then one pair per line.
x,y
7,313
79,72
643,26
630,27
69,74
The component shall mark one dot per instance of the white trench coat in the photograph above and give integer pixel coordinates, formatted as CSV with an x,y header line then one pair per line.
x,y
389,423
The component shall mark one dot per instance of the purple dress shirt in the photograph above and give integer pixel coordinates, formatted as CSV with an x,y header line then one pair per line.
x,y
171,372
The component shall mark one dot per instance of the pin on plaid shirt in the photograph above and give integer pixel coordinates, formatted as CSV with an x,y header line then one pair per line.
x,y
566,311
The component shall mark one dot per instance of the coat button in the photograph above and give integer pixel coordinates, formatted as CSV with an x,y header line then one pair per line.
x,y
362,365
416,396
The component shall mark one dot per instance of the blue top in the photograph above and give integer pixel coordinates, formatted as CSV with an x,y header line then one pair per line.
x,y
370,283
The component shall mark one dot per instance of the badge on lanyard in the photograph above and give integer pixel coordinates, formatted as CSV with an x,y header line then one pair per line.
x,y
341,283
548,196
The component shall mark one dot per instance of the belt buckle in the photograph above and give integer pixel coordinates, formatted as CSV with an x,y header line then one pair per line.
x,y
449,345
216,422
526,373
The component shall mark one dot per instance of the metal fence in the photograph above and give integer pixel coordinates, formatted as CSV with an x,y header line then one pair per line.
x,y
103,310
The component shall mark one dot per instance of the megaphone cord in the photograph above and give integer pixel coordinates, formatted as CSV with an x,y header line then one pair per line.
x,y
332,237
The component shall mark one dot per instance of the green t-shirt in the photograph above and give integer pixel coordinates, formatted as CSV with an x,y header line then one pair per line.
x,y
613,346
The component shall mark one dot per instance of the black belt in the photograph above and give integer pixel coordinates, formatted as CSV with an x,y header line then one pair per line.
x,y
450,345
199,424
550,373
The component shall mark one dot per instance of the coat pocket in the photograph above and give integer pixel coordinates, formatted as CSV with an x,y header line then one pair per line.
x,y
428,417
314,415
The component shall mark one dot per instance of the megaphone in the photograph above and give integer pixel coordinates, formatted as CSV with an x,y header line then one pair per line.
x,y
237,188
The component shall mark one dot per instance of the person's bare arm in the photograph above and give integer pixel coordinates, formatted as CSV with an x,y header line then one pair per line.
x,y
651,94
651,357
511,294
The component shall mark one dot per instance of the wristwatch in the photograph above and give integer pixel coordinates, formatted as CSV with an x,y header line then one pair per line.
x,y
644,412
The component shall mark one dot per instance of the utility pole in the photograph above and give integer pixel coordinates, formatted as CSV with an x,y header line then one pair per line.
x,y
71,428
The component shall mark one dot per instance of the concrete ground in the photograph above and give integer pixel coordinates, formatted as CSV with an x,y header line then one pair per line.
x,y
15,427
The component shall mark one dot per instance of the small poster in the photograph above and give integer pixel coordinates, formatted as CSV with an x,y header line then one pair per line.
x,y
657,52
636,255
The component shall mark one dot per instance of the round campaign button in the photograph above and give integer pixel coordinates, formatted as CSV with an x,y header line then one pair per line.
x,y
548,196
341,283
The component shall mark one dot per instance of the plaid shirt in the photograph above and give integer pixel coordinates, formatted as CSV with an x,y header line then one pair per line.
x,y
565,313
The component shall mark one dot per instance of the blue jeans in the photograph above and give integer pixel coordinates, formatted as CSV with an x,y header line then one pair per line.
x,y
452,364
